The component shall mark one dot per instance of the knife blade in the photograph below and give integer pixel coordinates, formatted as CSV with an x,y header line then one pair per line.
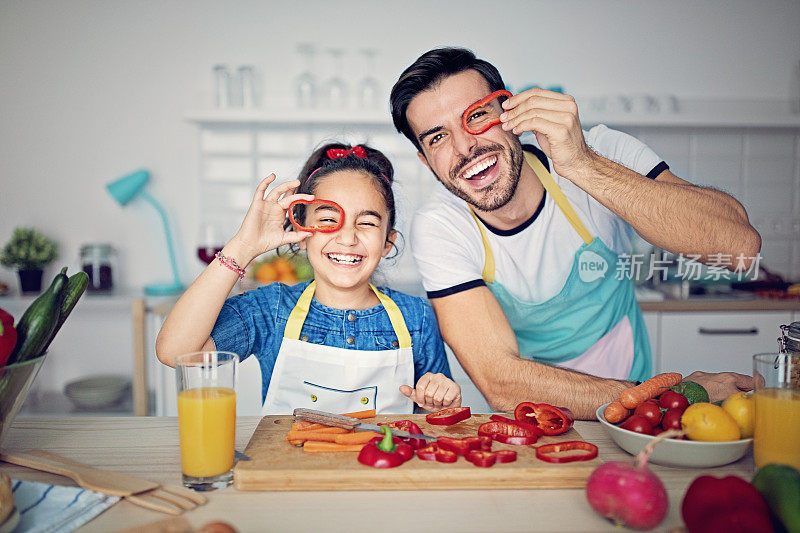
x,y
332,419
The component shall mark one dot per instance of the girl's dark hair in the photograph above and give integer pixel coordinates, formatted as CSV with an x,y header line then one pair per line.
x,y
320,165
428,70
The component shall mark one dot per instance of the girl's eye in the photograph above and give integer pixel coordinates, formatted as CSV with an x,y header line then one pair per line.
x,y
370,224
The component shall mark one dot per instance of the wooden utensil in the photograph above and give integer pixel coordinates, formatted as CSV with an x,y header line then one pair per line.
x,y
167,499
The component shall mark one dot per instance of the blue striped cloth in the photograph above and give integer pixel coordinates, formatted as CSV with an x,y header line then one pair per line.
x,y
56,509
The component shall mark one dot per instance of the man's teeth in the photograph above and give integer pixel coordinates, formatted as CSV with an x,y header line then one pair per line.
x,y
348,259
480,167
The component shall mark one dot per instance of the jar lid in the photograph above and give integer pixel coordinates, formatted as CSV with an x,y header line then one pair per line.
x,y
793,331
104,248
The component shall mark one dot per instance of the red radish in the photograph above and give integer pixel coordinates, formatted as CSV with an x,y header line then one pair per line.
x,y
630,494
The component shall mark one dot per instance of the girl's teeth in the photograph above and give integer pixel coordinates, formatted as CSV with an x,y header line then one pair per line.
x,y
345,258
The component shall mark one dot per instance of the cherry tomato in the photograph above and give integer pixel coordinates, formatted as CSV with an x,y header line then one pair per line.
x,y
672,419
651,411
638,424
673,400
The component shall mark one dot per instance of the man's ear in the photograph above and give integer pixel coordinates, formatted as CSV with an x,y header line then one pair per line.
x,y
387,246
424,160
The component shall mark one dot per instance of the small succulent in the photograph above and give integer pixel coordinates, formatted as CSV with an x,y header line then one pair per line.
x,y
28,249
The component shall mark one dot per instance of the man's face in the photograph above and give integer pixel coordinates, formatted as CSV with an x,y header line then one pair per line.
x,y
481,169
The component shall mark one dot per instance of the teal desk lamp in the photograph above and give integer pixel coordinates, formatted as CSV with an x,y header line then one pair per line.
x,y
126,189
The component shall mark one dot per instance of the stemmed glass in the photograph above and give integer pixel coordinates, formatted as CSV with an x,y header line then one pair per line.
x,y
209,242
305,83
369,88
336,89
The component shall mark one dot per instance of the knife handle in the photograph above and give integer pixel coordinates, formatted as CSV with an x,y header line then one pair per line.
x,y
329,419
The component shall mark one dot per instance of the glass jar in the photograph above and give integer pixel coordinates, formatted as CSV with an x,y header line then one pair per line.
x,y
97,260
789,343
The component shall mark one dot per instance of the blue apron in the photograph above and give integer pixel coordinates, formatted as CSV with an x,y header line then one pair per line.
x,y
590,304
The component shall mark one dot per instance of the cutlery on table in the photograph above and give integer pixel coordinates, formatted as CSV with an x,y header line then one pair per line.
x,y
339,421
165,498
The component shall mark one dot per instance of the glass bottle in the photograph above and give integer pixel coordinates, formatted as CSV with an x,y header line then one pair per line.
x,y
97,260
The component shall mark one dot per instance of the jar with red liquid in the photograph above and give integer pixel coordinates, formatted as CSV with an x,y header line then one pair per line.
x,y
97,260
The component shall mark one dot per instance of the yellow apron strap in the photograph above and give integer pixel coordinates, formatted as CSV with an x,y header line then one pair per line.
x,y
488,261
298,315
396,317
558,196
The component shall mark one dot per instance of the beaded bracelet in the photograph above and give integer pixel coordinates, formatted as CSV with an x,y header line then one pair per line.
x,y
230,263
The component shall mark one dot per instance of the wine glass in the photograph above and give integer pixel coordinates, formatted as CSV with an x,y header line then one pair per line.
x,y
335,88
209,242
368,88
305,84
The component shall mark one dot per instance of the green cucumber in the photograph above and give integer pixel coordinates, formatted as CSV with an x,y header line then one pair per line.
x,y
39,321
76,286
780,487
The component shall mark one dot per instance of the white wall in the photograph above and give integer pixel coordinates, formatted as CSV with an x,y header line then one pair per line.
x,y
90,90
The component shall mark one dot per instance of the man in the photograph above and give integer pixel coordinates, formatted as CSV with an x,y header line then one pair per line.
x,y
519,275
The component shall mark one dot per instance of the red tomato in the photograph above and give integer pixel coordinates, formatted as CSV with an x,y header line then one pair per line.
x,y
672,419
638,424
650,411
673,400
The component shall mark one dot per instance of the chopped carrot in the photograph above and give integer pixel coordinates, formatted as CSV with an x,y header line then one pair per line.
x,y
362,437
649,389
616,412
310,435
370,413
314,446
319,428
296,442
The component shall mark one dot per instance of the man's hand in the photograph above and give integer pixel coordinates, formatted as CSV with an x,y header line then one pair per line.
x,y
721,385
434,392
553,118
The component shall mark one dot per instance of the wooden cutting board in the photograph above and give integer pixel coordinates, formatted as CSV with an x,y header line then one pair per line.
x,y
276,465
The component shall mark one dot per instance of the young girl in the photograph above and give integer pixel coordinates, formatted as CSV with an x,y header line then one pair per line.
x,y
337,343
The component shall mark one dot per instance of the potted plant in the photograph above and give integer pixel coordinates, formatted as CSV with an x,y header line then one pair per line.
x,y
28,251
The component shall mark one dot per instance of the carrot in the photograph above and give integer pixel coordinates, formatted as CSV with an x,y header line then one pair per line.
x,y
370,413
362,437
616,412
314,446
318,428
310,435
296,442
649,389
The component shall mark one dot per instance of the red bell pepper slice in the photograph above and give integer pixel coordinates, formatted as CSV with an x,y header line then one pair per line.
x,y
409,426
448,417
526,425
8,336
506,456
383,452
465,445
481,458
542,452
321,229
508,433
551,420
432,452
724,504
480,103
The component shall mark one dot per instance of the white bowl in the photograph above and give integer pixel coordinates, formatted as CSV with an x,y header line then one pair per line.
x,y
97,391
674,452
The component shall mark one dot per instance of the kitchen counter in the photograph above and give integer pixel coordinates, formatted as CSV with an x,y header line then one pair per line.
x,y
149,447
710,303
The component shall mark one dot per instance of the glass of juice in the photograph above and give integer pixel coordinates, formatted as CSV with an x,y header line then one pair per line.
x,y
207,417
777,397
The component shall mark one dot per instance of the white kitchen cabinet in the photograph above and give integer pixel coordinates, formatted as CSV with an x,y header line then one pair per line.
x,y
717,341
652,322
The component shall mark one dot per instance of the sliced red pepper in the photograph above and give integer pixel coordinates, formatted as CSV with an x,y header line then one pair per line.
x,y
465,445
409,426
321,229
542,452
448,417
508,433
480,103
551,420
506,456
481,458
526,425
8,336
432,452
383,452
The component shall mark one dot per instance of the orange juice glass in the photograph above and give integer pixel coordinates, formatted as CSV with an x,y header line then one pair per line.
x,y
777,418
207,418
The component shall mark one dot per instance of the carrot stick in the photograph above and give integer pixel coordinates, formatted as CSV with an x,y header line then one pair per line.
x,y
314,446
649,389
320,428
616,412
296,442
362,437
369,413
310,435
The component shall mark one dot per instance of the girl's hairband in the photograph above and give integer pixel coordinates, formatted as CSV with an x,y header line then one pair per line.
x,y
337,153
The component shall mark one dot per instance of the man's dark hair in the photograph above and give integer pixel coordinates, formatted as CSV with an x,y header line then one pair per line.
x,y
428,70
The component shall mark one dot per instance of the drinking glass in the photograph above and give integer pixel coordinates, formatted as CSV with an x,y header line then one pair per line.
x,y
305,83
777,397
246,86
369,89
206,417
222,86
335,87
209,242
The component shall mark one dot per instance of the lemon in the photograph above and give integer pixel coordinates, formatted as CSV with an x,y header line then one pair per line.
x,y
741,406
709,422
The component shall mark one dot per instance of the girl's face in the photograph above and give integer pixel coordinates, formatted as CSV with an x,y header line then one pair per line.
x,y
346,258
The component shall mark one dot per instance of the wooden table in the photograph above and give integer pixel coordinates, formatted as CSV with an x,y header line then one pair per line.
x,y
149,447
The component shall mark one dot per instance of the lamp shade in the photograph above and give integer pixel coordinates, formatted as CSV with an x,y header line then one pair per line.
x,y
128,187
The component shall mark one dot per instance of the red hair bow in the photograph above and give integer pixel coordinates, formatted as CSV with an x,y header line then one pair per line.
x,y
336,153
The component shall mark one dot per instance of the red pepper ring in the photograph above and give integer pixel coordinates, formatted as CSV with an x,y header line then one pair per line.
x,y
480,103
508,433
448,417
542,452
465,445
481,458
432,452
497,418
321,229
551,420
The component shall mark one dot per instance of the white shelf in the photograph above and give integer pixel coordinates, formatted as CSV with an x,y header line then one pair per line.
x,y
288,117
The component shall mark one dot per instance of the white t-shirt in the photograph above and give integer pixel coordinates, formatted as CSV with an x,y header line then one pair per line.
x,y
533,260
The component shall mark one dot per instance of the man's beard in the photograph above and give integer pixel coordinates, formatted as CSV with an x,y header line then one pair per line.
x,y
501,190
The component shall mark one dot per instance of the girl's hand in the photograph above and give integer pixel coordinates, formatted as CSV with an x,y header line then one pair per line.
x,y
434,392
262,228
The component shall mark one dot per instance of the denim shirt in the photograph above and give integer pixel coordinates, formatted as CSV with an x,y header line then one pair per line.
x,y
254,322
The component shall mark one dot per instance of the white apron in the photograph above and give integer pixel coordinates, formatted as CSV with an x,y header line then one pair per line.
x,y
338,380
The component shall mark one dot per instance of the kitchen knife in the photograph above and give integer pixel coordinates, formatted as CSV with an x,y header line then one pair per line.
x,y
339,421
